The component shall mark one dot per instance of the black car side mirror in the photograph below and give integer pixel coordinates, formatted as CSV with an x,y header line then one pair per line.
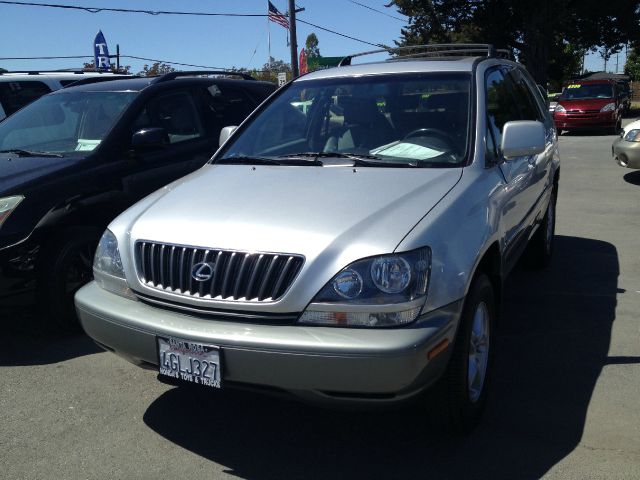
x,y
152,138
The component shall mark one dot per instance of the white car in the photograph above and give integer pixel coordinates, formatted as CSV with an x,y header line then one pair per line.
x,y
18,89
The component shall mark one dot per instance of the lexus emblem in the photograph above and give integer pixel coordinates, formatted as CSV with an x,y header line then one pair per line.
x,y
203,271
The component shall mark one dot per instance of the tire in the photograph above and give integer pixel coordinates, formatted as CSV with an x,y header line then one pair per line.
x,y
540,249
559,131
466,391
64,267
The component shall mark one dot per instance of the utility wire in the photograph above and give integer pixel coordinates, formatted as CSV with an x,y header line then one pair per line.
x,y
128,10
167,12
378,11
126,56
298,19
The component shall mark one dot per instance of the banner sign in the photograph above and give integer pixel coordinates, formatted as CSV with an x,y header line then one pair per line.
x,y
317,63
302,62
101,52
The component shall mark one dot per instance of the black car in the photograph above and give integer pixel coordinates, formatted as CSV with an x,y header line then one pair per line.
x,y
74,159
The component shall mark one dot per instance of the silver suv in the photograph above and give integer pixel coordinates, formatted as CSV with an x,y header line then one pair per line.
x,y
352,252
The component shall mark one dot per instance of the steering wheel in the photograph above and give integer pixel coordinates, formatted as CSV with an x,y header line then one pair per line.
x,y
431,132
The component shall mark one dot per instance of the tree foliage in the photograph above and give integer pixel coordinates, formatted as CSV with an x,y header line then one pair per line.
x,y
311,46
157,68
537,32
269,71
632,66
90,67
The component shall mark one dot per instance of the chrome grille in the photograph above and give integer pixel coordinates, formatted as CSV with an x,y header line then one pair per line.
x,y
227,275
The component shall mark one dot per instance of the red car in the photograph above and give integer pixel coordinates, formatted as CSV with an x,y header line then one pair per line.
x,y
589,105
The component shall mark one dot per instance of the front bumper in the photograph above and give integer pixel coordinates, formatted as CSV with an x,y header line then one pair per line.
x,y
321,364
627,154
585,121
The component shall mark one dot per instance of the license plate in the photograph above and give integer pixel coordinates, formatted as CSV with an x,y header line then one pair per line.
x,y
189,361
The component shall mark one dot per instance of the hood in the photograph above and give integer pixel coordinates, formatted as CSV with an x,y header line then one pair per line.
x,y
17,172
585,104
342,212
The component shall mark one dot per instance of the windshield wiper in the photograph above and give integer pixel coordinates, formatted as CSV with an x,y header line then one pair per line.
x,y
328,155
250,160
30,153
378,162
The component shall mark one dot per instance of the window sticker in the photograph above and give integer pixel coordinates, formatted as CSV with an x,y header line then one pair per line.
x,y
574,86
86,145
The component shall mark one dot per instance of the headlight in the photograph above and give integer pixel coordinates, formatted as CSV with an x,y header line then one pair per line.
x,y
107,267
382,291
8,205
560,109
632,135
609,107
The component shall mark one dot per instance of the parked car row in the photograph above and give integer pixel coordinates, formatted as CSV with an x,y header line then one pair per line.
x,y
347,244
74,159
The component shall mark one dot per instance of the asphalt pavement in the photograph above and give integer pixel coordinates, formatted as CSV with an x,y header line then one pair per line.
x,y
564,404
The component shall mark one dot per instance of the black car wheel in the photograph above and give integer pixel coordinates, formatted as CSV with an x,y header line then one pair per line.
x,y
65,266
467,377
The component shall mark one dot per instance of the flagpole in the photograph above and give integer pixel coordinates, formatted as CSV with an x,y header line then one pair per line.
x,y
269,43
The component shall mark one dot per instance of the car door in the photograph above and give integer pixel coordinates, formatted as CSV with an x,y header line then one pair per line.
x,y
501,108
188,147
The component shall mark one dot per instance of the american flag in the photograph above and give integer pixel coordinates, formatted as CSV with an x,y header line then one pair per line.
x,y
275,16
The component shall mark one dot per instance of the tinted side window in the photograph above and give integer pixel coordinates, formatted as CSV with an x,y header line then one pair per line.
x,y
15,95
175,112
229,105
524,98
501,107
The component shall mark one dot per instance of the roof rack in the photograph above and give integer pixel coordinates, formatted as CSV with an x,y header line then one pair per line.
x,y
46,72
435,50
190,73
88,80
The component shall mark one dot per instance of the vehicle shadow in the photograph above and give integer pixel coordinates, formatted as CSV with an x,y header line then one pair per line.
x,y
552,345
25,341
632,177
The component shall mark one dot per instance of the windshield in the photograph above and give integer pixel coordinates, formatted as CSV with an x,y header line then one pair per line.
x,y
420,119
64,122
579,92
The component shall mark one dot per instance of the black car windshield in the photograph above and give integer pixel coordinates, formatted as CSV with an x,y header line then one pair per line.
x,y
420,119
583,91
65,122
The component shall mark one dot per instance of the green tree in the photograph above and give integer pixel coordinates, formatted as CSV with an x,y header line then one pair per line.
x,y
157,68
632,66
90,67
270,70
534,31
311,46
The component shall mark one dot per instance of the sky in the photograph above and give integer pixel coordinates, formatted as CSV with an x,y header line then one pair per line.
x,y
220,42
210,41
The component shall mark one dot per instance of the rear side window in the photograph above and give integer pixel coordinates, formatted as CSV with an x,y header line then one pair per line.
x,y
524,98
175,112
15,95
230,106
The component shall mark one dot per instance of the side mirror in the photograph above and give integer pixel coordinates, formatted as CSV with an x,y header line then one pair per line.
x,y
225,133
522,138
150,139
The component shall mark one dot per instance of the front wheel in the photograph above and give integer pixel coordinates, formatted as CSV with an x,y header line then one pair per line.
x,y
467,377
65,266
